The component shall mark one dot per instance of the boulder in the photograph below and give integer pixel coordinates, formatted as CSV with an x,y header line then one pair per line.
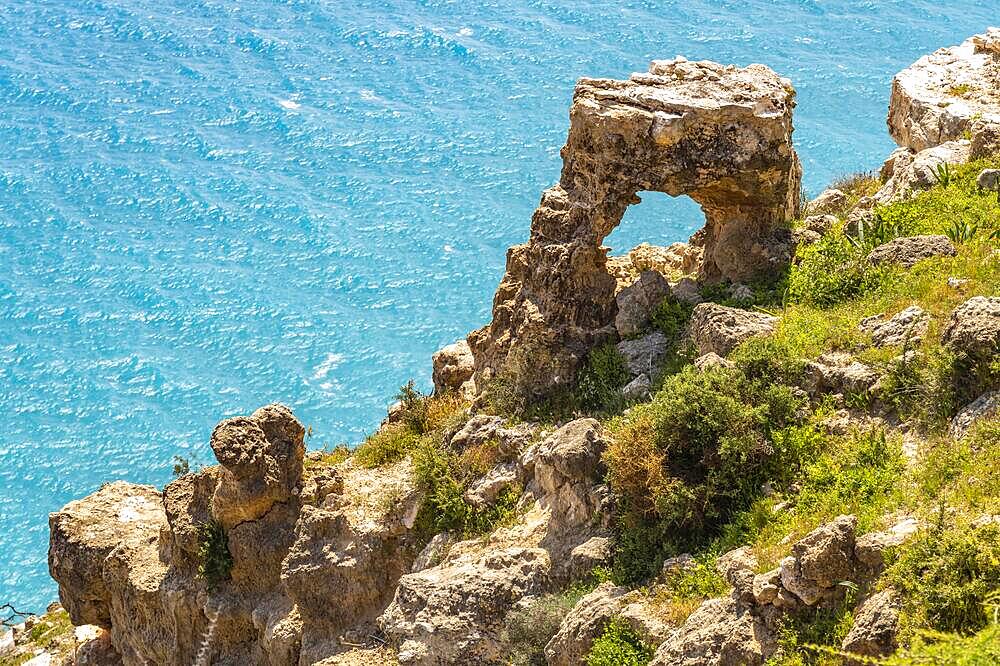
x,y
683,258
712,360
584,623
908,251
974,327
477,430
638,388
85,532
989,179
452,367
719,329
940,97
820,561
261,458
643,355
876,623
905,327
919,171
838,372
983,407
820,224
829,200
720,631
719,134
870,548
637,302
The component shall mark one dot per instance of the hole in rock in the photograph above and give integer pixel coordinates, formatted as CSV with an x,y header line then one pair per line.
x,y
659,219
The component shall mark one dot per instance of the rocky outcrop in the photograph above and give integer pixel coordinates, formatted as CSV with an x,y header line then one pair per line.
x,y
829,200
452,368
721,135
637,302
907,251
127,558
974,327
719,329
452,612
907,326
643,355
947,94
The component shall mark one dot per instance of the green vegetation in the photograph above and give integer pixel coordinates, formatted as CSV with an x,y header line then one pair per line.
x,y
812,636
600,381
683,590
214,559
528,629
329,457
685,463
619,645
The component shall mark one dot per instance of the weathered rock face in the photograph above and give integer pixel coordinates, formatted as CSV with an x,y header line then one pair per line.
x,y
127,558
909,173
452,612
982,407
721,135
453,366
119,515
974,327
719,329
941,96
876,623
909,250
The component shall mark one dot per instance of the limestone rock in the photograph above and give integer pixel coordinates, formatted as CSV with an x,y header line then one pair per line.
x,y
919,171
686,290
908,251
870,548
906,326
479,429
719,329
720,631
974,327
826,555
584,623
735,561
643,355
939,97
983,407
829,200
453,366
638,388
261,457
989,179
876,622
637,302
85,532
571,454
838,372
820,223
452,613
712,360
721,135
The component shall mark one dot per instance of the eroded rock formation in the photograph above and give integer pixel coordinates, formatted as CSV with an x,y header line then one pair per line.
x,y
951,93
719,134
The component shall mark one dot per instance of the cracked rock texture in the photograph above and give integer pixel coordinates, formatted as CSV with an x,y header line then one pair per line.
x,y
948,93
719,134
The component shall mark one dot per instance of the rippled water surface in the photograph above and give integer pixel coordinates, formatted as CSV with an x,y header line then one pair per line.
x,y
206,206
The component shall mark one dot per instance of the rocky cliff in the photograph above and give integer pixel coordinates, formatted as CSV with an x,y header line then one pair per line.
x,y
777,443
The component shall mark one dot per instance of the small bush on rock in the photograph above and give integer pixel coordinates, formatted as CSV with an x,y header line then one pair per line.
x,y
528,629
619,645
214,559
600,381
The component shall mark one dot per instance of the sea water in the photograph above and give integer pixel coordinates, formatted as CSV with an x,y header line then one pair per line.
x,y
209,205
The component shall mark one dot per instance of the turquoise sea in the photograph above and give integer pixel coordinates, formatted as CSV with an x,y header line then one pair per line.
x,y
208,205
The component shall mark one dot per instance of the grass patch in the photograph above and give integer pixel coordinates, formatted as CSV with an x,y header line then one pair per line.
x,y
600,381
683,590
619,645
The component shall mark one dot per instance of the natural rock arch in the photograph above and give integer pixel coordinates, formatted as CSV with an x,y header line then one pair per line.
x,y
719,134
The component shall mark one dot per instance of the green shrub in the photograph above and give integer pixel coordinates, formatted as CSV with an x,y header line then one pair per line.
x,y
832,270
528,629
600,381
387,445
682,465
946,575
619,645
812,637
214,559
444,476
671,317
